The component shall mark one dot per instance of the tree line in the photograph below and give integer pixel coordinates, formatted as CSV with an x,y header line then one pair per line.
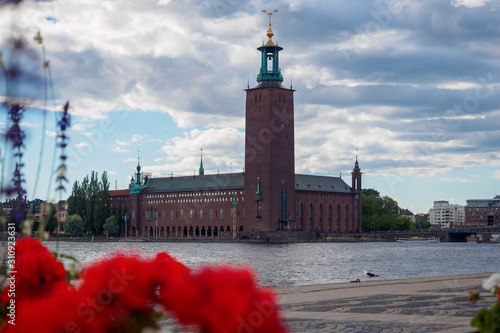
x,y
49,219
90,200
383,214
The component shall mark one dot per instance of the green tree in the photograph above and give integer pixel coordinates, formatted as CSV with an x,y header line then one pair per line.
x,y
73,225
111,227
84,189
405,223
381,213
51,218
91,196
370,191
421,223
102,205
73,198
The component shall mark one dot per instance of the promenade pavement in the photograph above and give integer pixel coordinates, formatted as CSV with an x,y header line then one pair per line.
x,y
434,304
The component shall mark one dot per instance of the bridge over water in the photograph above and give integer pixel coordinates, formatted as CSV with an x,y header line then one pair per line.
x,y
445,235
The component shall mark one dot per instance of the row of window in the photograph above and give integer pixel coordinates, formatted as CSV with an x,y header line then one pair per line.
x,y
223,199
152,214
191,194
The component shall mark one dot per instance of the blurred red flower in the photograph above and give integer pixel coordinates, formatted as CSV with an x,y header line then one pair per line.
x,y
127,293
38,272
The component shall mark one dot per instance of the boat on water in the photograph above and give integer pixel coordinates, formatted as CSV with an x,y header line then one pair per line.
x,y
418,240
495,238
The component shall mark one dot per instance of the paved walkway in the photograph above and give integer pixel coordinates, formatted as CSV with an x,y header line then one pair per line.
x,y
436,304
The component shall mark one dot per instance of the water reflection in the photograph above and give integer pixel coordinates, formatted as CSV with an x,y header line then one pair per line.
x,y
312,263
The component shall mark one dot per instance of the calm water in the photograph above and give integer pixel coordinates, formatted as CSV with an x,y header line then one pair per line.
x,y
312,263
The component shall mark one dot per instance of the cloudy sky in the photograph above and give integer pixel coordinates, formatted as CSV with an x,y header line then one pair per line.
x,y
413,85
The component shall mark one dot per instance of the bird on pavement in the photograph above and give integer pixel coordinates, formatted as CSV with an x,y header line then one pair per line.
x,y
370,275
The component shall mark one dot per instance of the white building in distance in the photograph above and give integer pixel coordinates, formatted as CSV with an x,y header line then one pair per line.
x,y
446,215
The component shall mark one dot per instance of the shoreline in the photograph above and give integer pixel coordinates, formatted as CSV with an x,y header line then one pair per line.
x,y
430,304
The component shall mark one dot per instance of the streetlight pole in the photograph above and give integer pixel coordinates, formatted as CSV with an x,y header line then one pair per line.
x,y
125,225
156,222
235,203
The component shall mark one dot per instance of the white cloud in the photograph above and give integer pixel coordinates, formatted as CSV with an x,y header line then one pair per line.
x,y
122,143
81,145
472,179
137,137
120,150
223,150
52,134
469,3
495,174
29,125
80,127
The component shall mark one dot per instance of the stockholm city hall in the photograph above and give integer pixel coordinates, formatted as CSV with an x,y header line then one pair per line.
x,y
267,198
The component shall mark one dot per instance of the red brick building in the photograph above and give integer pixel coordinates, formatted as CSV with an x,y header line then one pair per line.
x,y
268,196
482,212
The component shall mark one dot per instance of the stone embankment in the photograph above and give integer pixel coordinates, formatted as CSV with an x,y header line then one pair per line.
x,y
434,304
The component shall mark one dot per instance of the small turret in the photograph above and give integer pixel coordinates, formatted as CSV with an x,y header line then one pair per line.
x,y
201,170
356,177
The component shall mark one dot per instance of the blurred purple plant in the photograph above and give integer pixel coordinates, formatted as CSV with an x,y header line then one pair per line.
x,y
63,124
16,136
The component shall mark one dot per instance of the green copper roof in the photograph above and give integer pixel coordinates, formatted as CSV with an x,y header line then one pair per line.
x,y
201,171
196,183
321,184
228,181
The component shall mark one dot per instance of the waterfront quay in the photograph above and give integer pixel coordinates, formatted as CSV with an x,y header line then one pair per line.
x,y
433,304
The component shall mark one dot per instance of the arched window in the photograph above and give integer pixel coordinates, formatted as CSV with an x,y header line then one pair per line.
x,y
321,217
311,216
338,219
347,219
330,218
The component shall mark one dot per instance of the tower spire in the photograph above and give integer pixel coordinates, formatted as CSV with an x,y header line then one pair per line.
x,y
138,173
270,70
201,170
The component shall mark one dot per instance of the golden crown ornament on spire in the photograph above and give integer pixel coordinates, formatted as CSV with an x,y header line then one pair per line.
x,y
270,32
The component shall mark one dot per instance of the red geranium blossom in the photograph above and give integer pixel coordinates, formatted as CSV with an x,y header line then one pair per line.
x,y
125,292
223,299
38,272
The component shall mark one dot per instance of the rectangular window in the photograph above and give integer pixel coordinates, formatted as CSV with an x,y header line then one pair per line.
x,y
182,214
201,214
221,214
191,214
211,213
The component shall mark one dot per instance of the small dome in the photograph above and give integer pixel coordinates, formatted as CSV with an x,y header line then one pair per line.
x,y
270,34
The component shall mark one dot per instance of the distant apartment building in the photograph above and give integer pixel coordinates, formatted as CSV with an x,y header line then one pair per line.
x,y
446,215
482,212
62,214
407,212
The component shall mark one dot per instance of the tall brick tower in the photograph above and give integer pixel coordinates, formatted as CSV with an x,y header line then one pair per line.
x,y
269,146
356,187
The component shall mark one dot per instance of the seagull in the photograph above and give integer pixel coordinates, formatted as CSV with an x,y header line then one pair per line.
x,y
370,275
